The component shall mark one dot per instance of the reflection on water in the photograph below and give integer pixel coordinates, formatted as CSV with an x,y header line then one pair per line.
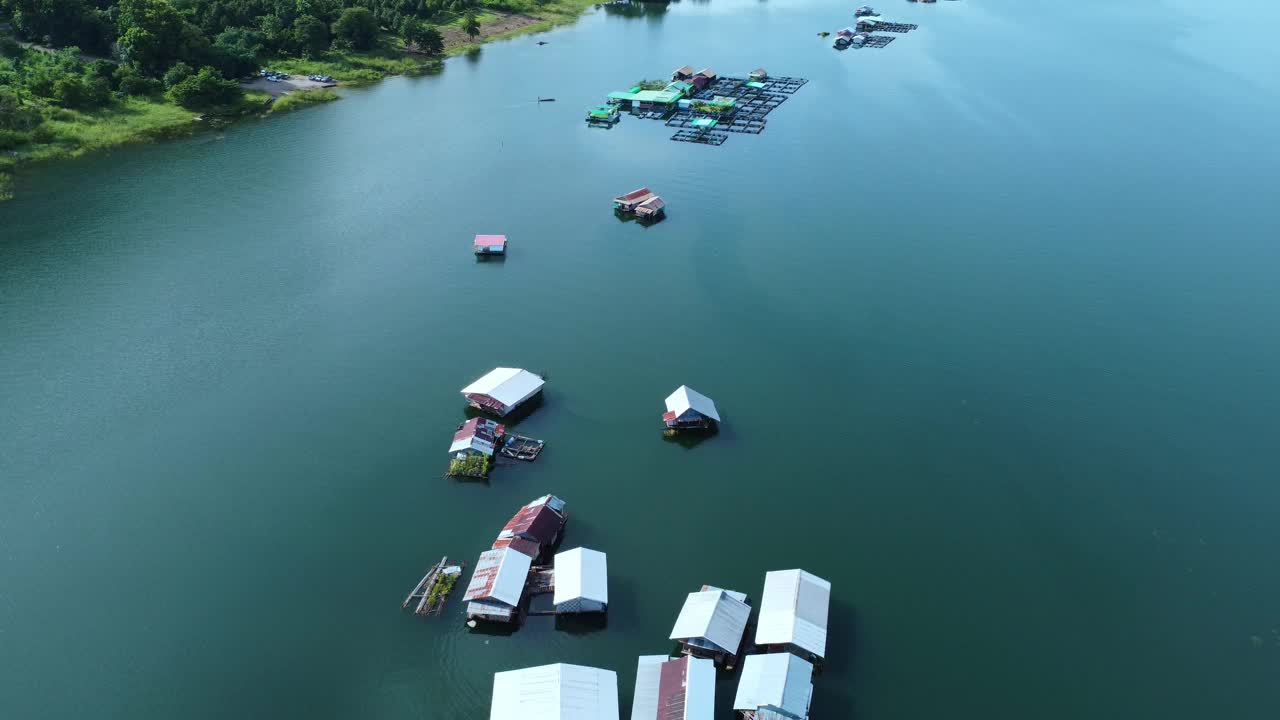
x,y
651,10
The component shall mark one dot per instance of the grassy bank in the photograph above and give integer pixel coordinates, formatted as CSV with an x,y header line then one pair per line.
x,y
70,133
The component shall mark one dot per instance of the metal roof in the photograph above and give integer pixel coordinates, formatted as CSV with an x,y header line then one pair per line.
x,y
540,521
520,545
686,70
478,434
555,692
634,195
714,615
779,681
793,609
686,689
644,704
491,240
509,386
658,96
686,398
499,575
581,573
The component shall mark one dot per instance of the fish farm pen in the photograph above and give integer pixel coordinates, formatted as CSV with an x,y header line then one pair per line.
x,y
707,111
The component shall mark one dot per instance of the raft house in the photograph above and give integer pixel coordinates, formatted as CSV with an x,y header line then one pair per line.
x,y
688,409
433,589
603,115
711,625
681,688
581,582
793,615
777,686
555,692
502,390
483,438
498,585
643,204
491,245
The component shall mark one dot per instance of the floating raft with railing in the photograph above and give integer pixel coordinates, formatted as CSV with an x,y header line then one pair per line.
x,y
878,41
894,27
520,447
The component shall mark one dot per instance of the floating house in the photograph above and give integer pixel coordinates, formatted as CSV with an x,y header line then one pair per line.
x,y
867,24
778,686
683,73
793,614
627,204
502,390
682,88
757,75
477,436
864,11
707,73
497,585
652,209
605,114
555,692
582,581
491,244
681,688
689,409
711,624
645,100
541,522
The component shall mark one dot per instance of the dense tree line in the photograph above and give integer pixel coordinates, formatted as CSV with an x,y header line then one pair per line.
x,y
191,50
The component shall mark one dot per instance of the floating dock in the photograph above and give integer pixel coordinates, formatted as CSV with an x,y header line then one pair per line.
x,y
520,447
702,137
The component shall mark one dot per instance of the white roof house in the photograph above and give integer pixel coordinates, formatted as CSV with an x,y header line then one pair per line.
x,y
644,704
582,581
555,692
502,389
793,611
779,682
685,399
500,575
713,618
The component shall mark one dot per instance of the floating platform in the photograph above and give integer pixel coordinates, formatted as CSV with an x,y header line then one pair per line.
x,y
520,447
878,41
894,27
736,124
434,588
702,138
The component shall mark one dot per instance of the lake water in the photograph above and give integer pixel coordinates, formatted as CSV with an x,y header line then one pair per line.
x,y
990,314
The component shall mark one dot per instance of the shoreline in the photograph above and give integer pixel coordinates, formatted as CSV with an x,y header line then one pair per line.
x,y
166,121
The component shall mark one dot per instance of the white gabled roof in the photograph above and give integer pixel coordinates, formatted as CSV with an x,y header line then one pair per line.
x,y
793,609
685,398
509,386
499,575
779,681
644,704
699,688
718,616
555,692
581,573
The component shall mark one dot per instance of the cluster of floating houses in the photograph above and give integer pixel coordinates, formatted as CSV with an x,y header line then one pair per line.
x,y
777,669
867,22
500,392
702,105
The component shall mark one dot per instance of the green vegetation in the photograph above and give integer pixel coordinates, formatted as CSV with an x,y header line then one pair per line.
x,y
472,465
440,589
106,72
653,84
301,99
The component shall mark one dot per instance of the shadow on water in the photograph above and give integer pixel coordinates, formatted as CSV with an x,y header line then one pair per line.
x,y
637,9
836,698
473,54
582,623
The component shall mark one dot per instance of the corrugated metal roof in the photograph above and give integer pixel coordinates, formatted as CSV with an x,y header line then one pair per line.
x,y
793,609
779,681
686,70
644,704
555,692
686,398
520,545
478,434
634,195
491,240
581,573
509,386
499,575
540,521
687,689
713,615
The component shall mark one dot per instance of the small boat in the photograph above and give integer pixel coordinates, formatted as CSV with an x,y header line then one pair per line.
x,y
542,99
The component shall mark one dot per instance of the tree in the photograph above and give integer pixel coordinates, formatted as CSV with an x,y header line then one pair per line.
x,y
14,114
206,89
310,36
129,81
154,35
471,24
357,27
421,37
176,74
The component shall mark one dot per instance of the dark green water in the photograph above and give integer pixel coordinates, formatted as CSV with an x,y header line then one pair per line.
x,y
991,315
